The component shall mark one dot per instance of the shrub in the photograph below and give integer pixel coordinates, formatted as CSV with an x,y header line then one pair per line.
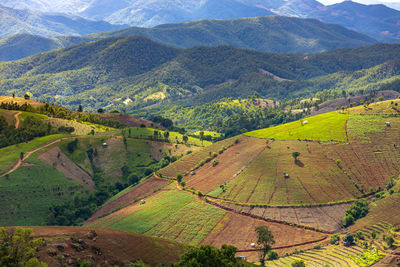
x,y
298,263
318,246
348,220
348,239
335,238
208,159
179,177
214,154
360,235
214,162
272,255
373,234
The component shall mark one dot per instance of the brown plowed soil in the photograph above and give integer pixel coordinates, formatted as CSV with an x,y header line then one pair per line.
x,y
328,218
230,163
144,189
131,121
20,101
58,160
238,230
113,247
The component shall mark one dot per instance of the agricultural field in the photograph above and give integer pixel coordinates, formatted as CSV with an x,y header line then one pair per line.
x,y
116,247
381,107
230,163
20,101
189,162
27,193
81,128
324,127
9,116
174,137
129,196
327,218
312,178
168,214
11,154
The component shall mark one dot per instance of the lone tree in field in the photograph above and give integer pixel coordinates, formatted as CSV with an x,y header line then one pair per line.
x,y
264,242
185,139
295,155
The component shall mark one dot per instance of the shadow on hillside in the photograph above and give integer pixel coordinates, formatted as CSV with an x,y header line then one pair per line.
x,y
299,163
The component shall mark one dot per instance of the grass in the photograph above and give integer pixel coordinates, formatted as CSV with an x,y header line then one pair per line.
x,y
359,126
11,154
174,137
25,114
381,107
81,128
323,127
27,193
171,214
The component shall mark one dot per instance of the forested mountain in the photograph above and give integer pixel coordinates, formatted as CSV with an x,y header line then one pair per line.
x,y
14,21
135,72
377,21
267,34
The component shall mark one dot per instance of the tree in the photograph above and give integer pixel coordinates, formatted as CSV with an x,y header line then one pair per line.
x,y
80,108
348,239
100,110
298,263
295,155
348,220
185,139
272,255
334,238
166,135
21,155
18,248
201,137
179,177
389,240
210,256
265,240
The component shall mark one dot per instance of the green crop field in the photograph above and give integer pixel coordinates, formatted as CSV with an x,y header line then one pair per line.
x,y
171,214
25,114
323,127
382,107
359,126
313,178
27,193
174,137
11,154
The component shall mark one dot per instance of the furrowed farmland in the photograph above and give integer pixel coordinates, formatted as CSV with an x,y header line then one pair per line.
x,y
301,179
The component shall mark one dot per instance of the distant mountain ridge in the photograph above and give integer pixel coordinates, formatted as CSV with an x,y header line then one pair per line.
x,y
14,21
266,34
378,21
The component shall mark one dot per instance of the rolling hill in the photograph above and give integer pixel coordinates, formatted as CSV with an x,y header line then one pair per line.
x,y
15,21
265,34
135,72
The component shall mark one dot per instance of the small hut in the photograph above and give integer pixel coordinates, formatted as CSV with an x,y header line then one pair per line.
x,y
286,175
388,124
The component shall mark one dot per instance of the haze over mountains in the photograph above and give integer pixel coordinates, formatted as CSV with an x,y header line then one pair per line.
x,y
14,21
378,21
266,34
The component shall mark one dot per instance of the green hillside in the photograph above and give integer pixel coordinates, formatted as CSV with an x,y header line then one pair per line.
x,y
134,72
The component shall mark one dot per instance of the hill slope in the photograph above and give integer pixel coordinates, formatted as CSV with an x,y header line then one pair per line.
x,y
265,34
47,24
137,72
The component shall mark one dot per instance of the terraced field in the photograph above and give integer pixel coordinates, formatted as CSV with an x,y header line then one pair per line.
x,y
327,218
323,127
231,163
187,163
313,178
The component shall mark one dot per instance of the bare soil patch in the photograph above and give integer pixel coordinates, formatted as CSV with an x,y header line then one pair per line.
x,y
109,247
230,163
238,230
56,158
327,218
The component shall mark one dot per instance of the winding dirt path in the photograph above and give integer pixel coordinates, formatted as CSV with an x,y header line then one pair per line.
x,y
29,153
16,117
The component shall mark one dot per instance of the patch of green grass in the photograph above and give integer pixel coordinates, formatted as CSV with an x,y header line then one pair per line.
x,y
323,127
359,126
25,114
174,137
169,214
11,154
367,257
27,193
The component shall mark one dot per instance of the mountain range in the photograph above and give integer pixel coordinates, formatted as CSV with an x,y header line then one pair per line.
x,y
266,34
378,21
14,21
134,73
